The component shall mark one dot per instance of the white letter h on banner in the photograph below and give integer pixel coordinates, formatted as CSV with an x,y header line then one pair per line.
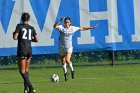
x,y
110,15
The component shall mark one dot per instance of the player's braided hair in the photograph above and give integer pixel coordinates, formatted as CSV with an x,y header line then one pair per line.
x,y
25,17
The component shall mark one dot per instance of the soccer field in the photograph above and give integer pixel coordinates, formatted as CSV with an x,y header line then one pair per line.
x,y
97,79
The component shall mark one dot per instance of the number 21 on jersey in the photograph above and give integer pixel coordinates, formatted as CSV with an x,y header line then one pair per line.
x,y
26,35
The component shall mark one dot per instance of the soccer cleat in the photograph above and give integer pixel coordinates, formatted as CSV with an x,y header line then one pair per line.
x,y
66,76
72,75
25,91
32,91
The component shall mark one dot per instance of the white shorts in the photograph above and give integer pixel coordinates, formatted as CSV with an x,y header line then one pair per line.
x,y
63,51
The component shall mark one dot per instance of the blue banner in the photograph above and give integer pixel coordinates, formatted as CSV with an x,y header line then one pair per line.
x,y
118,24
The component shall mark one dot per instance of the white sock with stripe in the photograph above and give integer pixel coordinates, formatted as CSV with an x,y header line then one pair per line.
x,y
65,68
71,67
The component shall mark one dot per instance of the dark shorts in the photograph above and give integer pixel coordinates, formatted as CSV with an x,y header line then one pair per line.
x,y
24,54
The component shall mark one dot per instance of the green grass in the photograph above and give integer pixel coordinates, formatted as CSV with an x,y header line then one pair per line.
x,y
94,79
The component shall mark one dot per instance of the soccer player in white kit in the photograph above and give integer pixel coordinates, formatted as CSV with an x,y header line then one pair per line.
x,y
65,43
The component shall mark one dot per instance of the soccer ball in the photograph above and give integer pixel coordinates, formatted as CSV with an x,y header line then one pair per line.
x,y
54,78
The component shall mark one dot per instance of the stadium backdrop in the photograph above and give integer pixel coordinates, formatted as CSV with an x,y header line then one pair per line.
x,y
118,21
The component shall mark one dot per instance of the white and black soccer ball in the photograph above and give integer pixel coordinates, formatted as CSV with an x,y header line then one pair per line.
x,y
54,78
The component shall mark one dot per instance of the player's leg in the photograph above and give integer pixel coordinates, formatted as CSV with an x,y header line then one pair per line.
x,y
31,89
22,70
64,65
21,64
68,60
63,61
27,72
62,53
27,64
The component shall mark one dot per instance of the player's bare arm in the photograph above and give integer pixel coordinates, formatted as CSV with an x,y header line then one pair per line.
x,y
36,39
15,35
87,28
57,23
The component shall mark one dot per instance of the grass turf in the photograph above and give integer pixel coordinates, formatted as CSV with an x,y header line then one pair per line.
x,y
97,79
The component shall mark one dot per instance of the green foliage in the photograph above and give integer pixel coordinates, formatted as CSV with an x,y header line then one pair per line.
x,y
79,57
9,60
127,55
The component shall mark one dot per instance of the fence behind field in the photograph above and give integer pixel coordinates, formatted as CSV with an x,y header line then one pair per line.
x,y
94,58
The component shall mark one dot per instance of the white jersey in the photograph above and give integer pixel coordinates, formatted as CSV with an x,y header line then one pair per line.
x,y
65,38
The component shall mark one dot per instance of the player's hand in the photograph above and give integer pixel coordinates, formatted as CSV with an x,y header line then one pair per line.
x,y
92,27
96,25
13,33
62,18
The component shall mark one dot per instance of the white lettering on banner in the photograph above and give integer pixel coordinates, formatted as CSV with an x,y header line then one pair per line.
x,y
15,19
112,23
86,17
50,20
136,37
25,6
2,35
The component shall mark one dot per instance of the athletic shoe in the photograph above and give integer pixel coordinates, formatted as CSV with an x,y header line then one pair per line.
x,y
32,91
25,91
72,75
66,76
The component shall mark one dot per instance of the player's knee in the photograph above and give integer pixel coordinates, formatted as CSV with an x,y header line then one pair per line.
x,y
64,62
21,71
27,70
68,61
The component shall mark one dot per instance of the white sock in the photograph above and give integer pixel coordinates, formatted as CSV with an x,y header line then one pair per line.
x,y
71,67
65,68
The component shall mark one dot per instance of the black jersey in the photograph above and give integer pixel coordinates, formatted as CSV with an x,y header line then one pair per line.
x,y
26,34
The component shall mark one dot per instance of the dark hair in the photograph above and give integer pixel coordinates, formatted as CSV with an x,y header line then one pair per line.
x,y
67,18
25,17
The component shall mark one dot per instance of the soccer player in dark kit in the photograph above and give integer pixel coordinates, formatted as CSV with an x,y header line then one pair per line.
x,y
25,34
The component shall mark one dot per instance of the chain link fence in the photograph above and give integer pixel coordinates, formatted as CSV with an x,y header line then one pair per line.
x,y
79,59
